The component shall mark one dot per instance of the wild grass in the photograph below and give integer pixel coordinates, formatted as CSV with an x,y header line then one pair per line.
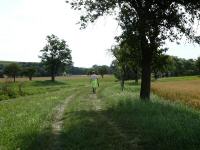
x,y
110,120
12,90
23,120
186,91
120,120
24,87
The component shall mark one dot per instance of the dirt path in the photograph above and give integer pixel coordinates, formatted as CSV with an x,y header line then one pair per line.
x,y
97,104
58,123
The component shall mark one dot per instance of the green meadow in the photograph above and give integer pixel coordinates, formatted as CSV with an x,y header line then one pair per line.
x,y
66,115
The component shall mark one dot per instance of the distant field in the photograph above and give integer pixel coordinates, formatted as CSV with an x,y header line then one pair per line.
x,y
184,89
72,77
23,87
42,78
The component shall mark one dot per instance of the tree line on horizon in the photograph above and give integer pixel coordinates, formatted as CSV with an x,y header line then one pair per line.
x,y
166,66
29,69
171,66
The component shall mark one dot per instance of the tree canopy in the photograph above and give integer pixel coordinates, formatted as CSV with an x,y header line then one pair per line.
x,y
12,70
29,72
56,55
151,21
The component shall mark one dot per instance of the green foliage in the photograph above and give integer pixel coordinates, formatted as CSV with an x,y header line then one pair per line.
x,y
12,70
151,22
7,92
56,55
26,122
102,70
1,70
115,69
41,71
198,64
18,89
161,63
78,71
117,119
127,63
120,121
29,72
183,67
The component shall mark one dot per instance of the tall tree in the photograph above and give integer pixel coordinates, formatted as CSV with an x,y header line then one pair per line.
x,y
131,42
29,72
102,70
12,70
56,55
160,62
152,20
121,53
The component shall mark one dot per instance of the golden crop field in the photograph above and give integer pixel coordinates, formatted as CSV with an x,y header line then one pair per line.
x,y
187,91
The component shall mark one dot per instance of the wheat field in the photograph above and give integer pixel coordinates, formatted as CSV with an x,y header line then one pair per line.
x,y
187,91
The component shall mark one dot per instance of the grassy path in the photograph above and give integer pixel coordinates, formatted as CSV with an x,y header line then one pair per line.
x,y
130,143
115,120
69,117
57,123
88,126
26,122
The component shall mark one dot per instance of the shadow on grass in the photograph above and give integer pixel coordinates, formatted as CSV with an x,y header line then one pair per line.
x,y
48,83
126,126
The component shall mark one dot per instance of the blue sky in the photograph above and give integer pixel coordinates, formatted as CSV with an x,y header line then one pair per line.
x,y
25,25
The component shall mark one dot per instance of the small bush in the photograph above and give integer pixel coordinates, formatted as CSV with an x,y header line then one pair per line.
x,y
7,91
20,86
4,97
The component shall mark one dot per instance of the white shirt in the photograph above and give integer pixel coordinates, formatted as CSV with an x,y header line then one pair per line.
x,y
94,77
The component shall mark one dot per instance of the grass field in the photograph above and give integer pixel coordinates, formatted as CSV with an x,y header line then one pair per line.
x,y
73,118
184,89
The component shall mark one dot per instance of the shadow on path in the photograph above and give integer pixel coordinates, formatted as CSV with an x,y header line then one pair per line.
x,y
149,126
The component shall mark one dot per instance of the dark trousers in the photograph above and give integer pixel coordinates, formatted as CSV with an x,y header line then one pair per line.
x,y
94,90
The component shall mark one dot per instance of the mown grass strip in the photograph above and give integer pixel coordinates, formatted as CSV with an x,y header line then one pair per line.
x,y
25,122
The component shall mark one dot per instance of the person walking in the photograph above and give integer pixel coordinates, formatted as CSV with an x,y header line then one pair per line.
x,y
94,82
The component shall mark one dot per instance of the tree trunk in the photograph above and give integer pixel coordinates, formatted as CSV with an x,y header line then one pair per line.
x,y
146,71
14,77
136,77
146,80
147,54
122,80
52,73
30,78
52,77
122,84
